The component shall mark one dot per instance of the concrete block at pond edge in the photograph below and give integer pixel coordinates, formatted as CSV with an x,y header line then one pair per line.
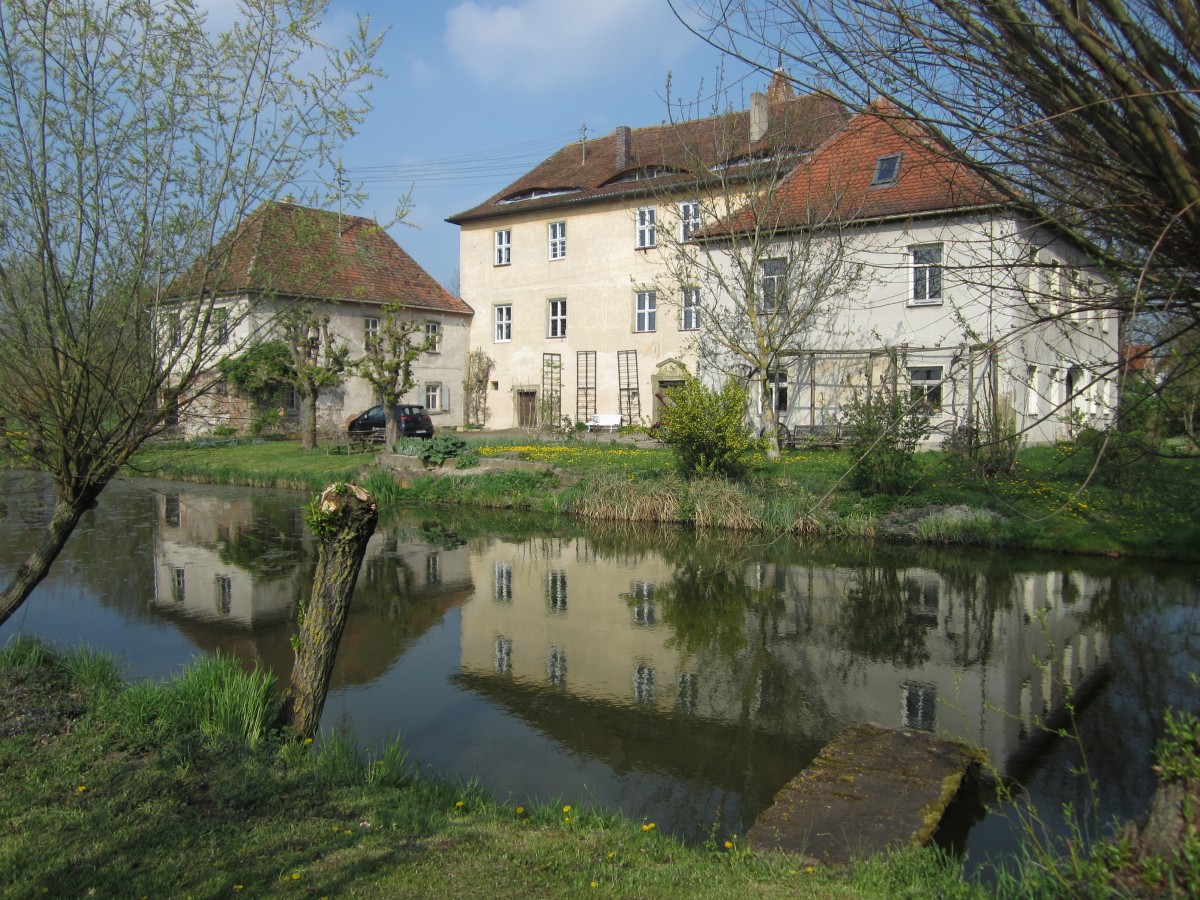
x,y
870,789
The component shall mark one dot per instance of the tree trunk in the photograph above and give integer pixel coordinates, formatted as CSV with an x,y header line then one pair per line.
x,y
391,429
344,522
308,421
63,521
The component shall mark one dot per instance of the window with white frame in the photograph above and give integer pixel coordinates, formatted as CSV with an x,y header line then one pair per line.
x,y
777,384
645,313
689,318
503,324
558,318
556,591
927,273
433,336
774,277
502,582
178,584
687,692
225,593
558,240
556,666
919,710
503,247
502,655
689,218
370,329
925,386
646,236
437,397
643,683
433,568
222,327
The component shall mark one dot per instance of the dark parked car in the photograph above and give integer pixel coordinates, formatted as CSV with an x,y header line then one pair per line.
x,y
411,421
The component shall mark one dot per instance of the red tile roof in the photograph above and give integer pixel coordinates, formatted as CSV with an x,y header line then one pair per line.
x,y
657,155
297,251
835,182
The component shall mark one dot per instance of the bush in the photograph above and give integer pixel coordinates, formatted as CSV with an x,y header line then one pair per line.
x,y
704,429
883,429
436,451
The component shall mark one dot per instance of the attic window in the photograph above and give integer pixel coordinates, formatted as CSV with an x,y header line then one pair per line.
x,y
645,173
887,170
536,193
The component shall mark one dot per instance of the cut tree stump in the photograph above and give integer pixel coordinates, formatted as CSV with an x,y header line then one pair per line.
x,y
343,521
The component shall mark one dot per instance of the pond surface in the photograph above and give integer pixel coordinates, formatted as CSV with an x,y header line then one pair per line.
x,y
679,678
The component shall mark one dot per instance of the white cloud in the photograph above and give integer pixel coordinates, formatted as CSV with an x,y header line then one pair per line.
x,y
548,44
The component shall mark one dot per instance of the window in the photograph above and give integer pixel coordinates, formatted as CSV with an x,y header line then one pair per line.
x,y
558,240
503,324
777,384
690,311
221,326
433,568
437,397
925,386
225,593
558,318
645,227
774,276
927,274
172,510
178,584
370,329
887,170
643,683
920,706
646,311
556,666
687,698
556,591
502,661
433,337
502,582
689,218
645,611
503,247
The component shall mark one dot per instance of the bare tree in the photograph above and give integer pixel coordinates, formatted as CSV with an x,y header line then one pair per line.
x,y
387,363
1087,112
750,279
319,359
131,139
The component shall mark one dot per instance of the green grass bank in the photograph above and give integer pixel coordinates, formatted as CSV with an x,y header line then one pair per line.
x,y
1053,501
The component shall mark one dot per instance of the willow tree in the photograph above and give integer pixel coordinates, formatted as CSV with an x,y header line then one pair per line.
x,y
132,138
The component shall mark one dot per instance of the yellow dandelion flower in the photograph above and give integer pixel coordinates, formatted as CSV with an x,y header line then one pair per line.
x,y
82,789
808,870
307,741
459,804
239,887
729,845
595,884
567,808
520,810
295,876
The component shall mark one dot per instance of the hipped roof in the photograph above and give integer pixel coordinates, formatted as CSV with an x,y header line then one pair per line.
x,y
593,170
297,251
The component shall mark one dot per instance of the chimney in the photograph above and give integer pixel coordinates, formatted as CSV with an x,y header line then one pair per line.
x,y
624,146
759,117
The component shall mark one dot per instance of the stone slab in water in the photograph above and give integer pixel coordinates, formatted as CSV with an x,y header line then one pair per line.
x,y
871,789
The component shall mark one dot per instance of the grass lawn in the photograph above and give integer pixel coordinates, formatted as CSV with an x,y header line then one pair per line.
x,y
1052,501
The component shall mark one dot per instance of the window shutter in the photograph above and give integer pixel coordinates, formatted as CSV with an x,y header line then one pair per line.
x,y
446,397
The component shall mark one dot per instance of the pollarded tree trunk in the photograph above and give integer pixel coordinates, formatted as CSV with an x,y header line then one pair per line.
x,y
343,522
308,421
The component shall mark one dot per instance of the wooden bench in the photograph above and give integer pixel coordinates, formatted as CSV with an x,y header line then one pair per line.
x,y
609,421
810,437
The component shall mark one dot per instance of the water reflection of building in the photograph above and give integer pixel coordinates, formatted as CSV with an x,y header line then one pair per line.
x,y
808,649
196,568
230,569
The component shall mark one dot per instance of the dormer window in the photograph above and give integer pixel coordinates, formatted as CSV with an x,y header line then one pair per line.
x,y
887,170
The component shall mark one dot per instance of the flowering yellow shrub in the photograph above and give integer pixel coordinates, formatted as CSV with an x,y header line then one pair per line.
x,y
705,429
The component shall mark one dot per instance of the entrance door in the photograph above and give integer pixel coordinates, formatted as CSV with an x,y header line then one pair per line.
x,y
527,409
660,393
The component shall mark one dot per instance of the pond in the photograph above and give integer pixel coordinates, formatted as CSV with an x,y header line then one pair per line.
x,y
679,678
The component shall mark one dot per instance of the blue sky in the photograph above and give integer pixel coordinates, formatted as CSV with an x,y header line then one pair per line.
x,y
479,91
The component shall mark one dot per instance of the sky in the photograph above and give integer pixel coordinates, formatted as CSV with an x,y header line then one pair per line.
x,y
477,92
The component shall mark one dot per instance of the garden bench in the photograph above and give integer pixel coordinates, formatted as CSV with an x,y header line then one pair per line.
x,y
611,421
810,437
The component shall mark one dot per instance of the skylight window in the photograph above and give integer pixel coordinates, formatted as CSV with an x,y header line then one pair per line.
x,y
887,169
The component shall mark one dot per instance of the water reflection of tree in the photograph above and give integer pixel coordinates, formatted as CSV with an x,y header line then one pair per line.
x,y
270,547
873,622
